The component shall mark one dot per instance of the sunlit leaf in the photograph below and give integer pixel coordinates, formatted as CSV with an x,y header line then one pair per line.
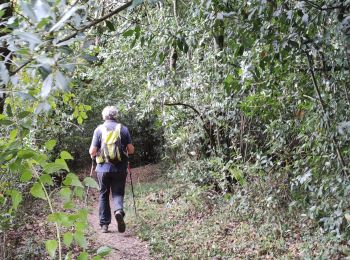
x,y
46,179
83,256
68,238
51,247
72,180
37,191
80,239
90,182
47,85
61,81
41,9
66,155
16,197
65,17
65,193
49,145
103,251
56,166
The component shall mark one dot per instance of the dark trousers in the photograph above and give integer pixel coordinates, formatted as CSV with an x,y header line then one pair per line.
x,y
115,182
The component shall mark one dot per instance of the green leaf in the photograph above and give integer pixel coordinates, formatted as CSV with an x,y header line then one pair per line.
x,y
68,238
6,122
32,38
13,134
61,81
61,218
59,164
90,182
46,179
16,198
83,256
79,192
65,193
9,111
47,85
26,154
80,239
72,180
97,257
66,155
103,251
51,247
64,18
238,175
110,25
49,145
37,191
81,226
128,33
24,114
69,205
26,175
68,256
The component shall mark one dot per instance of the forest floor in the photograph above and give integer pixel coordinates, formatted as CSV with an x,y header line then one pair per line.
x,y
180,220
123,245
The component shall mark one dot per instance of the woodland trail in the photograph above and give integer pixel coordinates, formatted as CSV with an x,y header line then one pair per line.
x,y
124,245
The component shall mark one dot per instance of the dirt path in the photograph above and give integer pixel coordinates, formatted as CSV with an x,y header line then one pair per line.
x,y
124,245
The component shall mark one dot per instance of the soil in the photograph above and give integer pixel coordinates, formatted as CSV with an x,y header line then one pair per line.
x,y
124,245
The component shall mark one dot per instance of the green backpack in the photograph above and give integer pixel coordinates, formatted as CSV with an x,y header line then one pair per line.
x,y
111,146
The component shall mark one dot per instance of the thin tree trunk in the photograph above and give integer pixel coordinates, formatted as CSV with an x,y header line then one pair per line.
x,y
4,51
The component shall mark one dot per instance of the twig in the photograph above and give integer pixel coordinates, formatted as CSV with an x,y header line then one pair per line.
x,y
186,105
70,123
118,10
324,110
58,232
21,67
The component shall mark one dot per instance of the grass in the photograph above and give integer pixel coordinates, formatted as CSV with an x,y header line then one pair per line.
x,y
183,221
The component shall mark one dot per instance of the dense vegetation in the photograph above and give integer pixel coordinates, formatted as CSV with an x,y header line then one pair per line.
x,y
245,99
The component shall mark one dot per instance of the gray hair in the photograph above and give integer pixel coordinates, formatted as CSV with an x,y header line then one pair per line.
x,y
109,113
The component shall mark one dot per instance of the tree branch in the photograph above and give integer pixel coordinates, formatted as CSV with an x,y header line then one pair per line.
x,y
119,9
21,67
103,18
205,126
326,8
324,110
187,106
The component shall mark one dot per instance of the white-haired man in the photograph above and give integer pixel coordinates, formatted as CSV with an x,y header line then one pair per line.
x,y
111,175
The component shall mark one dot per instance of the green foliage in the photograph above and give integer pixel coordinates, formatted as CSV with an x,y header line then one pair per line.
x,y
103,251
226,91
51,247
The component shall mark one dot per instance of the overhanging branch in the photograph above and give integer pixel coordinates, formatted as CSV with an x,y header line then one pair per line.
x,y
187,106
97,21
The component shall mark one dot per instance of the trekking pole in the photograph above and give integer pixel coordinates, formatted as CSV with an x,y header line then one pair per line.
x,y
132,189
88,188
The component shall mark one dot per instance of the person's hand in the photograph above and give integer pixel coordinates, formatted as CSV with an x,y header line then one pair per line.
x,y
93,158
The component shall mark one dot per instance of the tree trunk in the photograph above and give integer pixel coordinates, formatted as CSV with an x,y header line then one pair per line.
x,y
4,51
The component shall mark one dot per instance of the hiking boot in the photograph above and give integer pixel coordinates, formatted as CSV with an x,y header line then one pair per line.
x,y
119,216
104,228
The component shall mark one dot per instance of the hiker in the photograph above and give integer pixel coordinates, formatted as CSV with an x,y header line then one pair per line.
x,y
110,147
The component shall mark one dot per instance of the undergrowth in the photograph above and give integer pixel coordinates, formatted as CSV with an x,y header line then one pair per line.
x,y
181,220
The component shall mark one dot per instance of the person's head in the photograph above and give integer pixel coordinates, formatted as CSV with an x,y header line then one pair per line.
x,y
109,113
